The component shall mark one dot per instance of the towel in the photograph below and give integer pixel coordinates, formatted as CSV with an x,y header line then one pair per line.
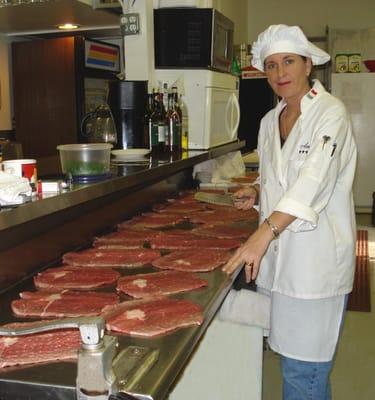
x,y
246,307
13,189
222,168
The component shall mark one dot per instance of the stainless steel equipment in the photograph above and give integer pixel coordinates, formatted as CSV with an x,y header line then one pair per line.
x,y
98,374
35,235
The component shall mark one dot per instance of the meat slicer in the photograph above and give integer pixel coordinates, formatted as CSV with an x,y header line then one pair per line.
x,y
100,374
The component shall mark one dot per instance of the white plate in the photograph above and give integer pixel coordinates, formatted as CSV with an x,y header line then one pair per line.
x,y
130,154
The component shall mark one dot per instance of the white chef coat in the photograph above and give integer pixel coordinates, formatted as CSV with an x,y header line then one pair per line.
x,y
311,178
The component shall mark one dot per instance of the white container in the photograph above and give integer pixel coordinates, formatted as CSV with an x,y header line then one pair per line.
x,y
25,168
91,159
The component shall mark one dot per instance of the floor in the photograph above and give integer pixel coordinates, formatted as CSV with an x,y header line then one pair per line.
x,y
353,376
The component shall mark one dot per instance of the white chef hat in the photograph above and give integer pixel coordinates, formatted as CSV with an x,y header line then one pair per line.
x,y
285,39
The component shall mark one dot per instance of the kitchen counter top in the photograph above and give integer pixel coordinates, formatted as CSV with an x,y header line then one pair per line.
x,y
125,176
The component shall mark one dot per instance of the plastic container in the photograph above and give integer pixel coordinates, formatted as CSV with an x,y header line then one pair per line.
x,y
85,160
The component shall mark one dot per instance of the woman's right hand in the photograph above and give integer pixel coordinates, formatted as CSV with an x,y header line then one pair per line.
x,y
245,198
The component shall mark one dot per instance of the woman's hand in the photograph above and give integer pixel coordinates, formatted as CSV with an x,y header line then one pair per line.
x,y
245,198
250,253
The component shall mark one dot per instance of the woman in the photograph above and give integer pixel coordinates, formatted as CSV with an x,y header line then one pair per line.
x,y
302,254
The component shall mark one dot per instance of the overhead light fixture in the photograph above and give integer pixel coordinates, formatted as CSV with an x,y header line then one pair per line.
x,y
7,3
68,26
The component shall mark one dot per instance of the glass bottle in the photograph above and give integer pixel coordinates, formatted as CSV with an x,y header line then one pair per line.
x,y
174,123
184,125
150,133
160,123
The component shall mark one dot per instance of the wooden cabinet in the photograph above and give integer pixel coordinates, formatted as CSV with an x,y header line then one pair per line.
x,y
44,89
49,92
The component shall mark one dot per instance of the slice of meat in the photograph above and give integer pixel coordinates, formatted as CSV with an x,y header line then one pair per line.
x,y
39,348
124,238
218,216
60,306
110,257
190,241
154,220
159,283
152,317
186,260
249,178
112,298
67,277
180,208
223,232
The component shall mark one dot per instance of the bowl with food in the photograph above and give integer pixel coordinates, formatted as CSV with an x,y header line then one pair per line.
x,y
85,162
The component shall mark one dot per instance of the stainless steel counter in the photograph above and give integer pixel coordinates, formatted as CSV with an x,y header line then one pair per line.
x,y
35,235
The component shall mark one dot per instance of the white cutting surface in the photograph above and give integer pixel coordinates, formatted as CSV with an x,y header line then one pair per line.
x,y
226,365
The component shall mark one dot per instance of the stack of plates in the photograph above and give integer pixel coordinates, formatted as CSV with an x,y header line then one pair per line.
x,y
130,155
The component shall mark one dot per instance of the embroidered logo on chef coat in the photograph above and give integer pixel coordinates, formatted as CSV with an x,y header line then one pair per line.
x,y
304,148
312,93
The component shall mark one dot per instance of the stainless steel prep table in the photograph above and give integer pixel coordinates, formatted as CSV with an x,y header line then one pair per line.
x,y
36,234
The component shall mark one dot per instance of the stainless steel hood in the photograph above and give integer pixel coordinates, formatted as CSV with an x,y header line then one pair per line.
x,y
43,17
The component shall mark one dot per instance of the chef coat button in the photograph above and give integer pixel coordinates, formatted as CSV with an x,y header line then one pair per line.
x,y
261,213
276,248
264,181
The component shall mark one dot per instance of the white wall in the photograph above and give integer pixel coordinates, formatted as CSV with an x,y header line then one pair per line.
x,y
236,10
312,16
5,107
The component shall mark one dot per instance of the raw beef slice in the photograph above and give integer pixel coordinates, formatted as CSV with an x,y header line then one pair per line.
x,y
39,348
59,306
222,216
188,260
190,241
159,283
110,258
153,220
56,279
69,294
124,238
152,317
180,208
223,232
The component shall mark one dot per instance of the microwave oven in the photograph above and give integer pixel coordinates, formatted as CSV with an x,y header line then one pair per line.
x,y
211,102
193,38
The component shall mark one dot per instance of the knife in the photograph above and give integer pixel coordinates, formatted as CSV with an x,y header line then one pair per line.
x,y
215,198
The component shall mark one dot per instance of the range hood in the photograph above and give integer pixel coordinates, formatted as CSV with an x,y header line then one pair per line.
x,y
43,17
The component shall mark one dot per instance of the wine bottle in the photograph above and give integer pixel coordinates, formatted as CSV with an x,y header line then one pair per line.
x,y
174,123
160,123
184,125
150,133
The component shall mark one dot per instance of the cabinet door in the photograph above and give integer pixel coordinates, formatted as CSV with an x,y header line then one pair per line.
x,y
44,95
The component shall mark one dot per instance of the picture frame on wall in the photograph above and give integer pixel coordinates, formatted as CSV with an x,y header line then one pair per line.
x,y
102,56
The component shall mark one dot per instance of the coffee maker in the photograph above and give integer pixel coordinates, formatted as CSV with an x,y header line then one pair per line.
x,y
127,100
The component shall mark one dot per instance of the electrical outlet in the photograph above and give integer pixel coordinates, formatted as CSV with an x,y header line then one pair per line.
x,y
129,24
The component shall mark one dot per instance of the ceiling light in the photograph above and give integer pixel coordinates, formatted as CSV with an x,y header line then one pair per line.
x,y
68,26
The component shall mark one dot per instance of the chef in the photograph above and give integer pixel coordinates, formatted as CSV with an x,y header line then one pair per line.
x,y
303,253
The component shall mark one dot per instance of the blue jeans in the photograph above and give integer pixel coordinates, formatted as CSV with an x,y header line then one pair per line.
x,y
304,380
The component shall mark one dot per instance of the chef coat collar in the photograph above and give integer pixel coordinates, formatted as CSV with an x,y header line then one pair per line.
x,y
308,99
